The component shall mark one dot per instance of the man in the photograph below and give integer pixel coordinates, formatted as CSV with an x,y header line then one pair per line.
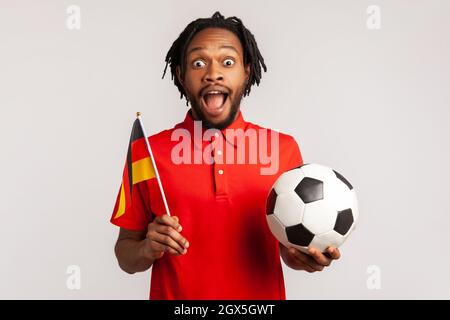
x,y
216,244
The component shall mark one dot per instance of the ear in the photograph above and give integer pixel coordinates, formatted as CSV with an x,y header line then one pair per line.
x,y
247,72
178,71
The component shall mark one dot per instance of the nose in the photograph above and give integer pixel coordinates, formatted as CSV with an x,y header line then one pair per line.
x,y
213,73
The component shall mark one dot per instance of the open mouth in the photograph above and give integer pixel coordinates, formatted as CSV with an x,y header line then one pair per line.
x,y
214,101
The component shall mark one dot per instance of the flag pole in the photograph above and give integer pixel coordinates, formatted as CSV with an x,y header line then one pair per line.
x,y
138,115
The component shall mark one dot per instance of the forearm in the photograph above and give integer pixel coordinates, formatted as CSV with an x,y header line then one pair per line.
x,y
130,255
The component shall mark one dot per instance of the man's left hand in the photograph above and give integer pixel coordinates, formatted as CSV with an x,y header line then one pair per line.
x,y
311,262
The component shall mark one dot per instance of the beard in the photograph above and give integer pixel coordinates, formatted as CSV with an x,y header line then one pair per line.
x,y
234,109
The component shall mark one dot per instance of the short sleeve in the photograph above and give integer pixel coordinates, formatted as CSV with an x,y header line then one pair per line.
x,y
137,215
296,158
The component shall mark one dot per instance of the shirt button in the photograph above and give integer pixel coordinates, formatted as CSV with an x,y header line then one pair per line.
x,y
220,171
216,134
219,152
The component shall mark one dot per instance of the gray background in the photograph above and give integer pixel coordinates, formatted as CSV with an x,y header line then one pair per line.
x,y
372,104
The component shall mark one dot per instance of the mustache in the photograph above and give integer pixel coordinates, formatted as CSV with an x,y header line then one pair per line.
x,y
207,88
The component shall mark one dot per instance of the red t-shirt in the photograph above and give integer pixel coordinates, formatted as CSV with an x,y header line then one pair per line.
x,y
218,189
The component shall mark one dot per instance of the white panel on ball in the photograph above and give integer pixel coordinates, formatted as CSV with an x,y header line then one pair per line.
x,y
324,240
317,171
302,249
277,229
338,193
355,207
288,181
289,209
319,216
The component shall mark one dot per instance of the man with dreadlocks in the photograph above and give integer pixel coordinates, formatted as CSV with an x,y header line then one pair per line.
x,y
216,244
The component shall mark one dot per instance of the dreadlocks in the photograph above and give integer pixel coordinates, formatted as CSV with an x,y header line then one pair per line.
x,y
176,56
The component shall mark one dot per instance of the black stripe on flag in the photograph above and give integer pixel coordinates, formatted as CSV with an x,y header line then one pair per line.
x,y
136,133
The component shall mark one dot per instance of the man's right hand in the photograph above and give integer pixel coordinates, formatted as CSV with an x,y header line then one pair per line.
x,y
163,234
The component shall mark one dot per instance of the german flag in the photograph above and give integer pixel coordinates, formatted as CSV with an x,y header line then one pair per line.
x,y
138,168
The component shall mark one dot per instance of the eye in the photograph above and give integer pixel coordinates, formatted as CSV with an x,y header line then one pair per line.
x,y
228,62
198,64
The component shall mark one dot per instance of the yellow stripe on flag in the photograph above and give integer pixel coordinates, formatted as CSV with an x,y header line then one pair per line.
x,y
142,170
121,209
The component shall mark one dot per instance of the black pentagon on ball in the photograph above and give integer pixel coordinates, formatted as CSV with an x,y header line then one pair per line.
x,y
341,177
344,221
310,190
299,235
271,199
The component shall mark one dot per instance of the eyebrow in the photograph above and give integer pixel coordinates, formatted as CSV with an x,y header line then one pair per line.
x,y
221,47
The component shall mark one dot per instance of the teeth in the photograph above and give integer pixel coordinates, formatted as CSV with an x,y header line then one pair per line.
x,y
214,92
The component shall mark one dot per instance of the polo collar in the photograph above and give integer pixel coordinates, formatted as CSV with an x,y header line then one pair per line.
x,y
188,123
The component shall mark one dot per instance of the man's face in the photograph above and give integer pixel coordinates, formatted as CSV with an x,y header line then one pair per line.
x,y
215,76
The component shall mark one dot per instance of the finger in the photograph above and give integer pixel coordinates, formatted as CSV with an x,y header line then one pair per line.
x,y
161,248
168,241
334,253
173,234
168,220
306,260
319,257
308,268
327,254
156,249
159,229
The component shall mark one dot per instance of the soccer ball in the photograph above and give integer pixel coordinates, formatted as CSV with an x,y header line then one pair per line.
x,y
311,205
